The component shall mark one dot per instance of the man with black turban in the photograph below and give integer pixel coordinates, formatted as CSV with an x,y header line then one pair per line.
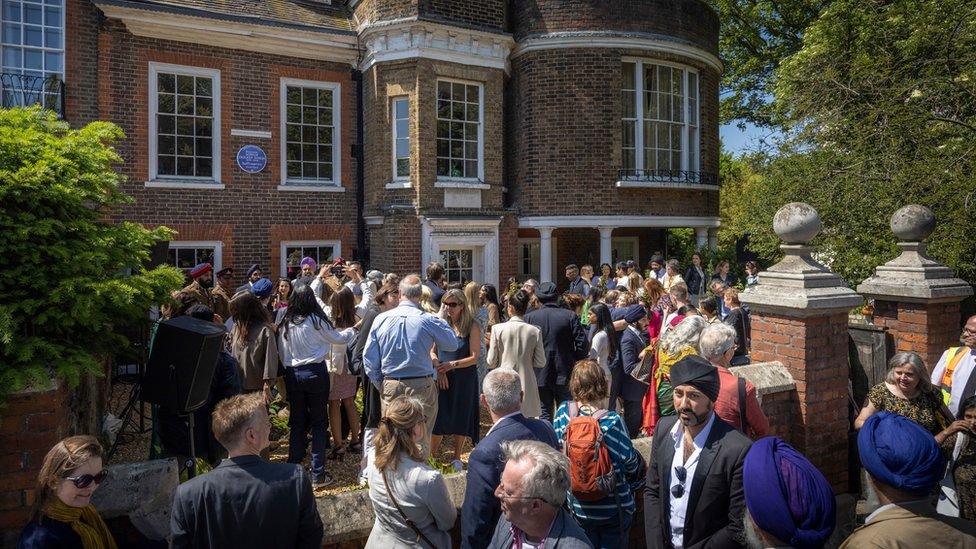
x,y
904,465
694,495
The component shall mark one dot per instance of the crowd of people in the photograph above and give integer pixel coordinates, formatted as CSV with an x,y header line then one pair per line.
x,y
568,380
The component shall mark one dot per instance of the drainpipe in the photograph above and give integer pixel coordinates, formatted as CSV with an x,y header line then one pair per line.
x,y
361,251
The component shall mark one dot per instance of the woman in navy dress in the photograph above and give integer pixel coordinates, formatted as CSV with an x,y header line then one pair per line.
x,y
457,378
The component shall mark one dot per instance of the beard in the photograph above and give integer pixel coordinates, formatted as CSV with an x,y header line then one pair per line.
x,y
695,419
750,537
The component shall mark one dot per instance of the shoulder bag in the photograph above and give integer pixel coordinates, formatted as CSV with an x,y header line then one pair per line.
x,y
410,523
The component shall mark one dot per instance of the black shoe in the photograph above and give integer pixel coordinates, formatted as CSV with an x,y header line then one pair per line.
x,y
323,480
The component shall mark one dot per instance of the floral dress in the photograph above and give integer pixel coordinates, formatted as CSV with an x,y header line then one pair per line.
x,y
964,474
924,409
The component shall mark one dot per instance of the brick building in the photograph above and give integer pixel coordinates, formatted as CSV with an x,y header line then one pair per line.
x,y
505,137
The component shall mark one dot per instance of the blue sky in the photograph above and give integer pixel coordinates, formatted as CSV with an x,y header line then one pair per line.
x,y
738,141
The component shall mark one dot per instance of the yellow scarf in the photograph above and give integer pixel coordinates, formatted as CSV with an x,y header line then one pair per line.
x,y
665,361
85,522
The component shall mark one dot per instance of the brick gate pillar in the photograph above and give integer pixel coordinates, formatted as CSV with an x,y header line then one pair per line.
x,y
799,318
916,297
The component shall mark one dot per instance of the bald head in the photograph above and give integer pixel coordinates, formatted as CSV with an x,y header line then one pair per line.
x,y
969,333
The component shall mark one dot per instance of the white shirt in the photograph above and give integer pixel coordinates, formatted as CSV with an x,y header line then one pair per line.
x,y
600,350
679,506
307,345
960,376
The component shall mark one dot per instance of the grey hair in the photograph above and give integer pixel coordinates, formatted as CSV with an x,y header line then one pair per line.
x,y
750,533
716,339
718,284
915,361
531,282
673,263
503,390
548,479
685,334
411,291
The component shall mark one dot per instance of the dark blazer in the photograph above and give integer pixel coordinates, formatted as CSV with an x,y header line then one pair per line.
x,y
564,340
716,501
480,510
436,292
564,533
631,345
370,417
247,502
579,287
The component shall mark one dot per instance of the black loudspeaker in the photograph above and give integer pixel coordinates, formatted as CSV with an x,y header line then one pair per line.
x,y
159,255
181,365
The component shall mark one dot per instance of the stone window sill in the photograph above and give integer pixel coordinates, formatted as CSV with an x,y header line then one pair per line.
x,y
676,184
208,184
461,184
294,187
399,184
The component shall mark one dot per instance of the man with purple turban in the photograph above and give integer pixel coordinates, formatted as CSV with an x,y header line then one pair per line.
x,y
789,503
904,465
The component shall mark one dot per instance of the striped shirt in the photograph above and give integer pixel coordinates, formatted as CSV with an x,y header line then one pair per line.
x,y
625,462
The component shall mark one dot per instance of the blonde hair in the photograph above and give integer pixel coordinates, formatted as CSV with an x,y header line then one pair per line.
x,y
426,299
233,415
464,322
395,436
471,291
732,295
587,269
61,460
588,383
634,281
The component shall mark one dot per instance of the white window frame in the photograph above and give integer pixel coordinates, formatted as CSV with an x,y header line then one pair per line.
x,y
335,185
400,180
285,244
217,246
686,120
554,260
184,182
465,182
633,241
43,49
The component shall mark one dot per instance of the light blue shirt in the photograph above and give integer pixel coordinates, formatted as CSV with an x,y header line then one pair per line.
x,y
400,340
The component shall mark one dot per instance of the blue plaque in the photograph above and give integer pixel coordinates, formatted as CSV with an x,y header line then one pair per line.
x,y
251,159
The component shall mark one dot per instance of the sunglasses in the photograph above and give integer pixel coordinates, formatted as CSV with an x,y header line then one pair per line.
x,y
678,490
84,481
451,305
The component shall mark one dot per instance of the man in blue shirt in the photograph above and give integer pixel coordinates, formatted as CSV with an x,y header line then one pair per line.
x,y
397,351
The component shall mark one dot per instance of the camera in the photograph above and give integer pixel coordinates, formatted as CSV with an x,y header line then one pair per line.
x,y
338,270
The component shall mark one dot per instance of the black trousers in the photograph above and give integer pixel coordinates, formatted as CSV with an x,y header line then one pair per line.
x,y
552,396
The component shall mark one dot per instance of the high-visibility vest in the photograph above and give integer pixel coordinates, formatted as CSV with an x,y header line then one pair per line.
x,y
955,357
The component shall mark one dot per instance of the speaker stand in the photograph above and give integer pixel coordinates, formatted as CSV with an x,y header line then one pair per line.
x,y
191,461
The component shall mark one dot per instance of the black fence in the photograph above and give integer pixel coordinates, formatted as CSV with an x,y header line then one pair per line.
x,y
21,90
669,176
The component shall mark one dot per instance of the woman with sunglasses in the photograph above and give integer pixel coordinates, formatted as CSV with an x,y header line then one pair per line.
x,y
457,378
62,515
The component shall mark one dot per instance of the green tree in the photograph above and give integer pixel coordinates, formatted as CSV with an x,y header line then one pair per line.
x,y
880,109
68,281
756,35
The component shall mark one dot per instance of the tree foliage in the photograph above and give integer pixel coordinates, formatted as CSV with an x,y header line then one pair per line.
x,y
880,109
65,290
756,35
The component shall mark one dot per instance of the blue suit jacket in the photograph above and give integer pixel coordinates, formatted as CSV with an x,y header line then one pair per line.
x,y
480,510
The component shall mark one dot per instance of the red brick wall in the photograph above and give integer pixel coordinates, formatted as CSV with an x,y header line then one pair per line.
x,y
927,329
245,210
395,245
814,350
689,20
564,137
491,14
81,62
30,424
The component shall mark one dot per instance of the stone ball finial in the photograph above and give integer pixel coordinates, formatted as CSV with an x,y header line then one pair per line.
x,y
797,223
913,223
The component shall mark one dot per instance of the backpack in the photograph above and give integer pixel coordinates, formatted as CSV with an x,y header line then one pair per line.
x,y
590,467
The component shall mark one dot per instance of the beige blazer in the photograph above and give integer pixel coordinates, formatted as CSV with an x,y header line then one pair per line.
x,y
518,345
913,524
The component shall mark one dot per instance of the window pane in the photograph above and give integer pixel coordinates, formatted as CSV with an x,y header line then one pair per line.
x,y
403,167
400,108
184,84
402,148
166,83
167,124
401,128
33,14
11,35
11,10
167,145
628,76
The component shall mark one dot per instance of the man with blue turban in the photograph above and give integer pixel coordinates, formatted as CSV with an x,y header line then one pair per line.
x,y
788,501
904,465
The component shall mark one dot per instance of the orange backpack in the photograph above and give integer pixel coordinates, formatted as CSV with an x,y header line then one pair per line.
x,y
590,467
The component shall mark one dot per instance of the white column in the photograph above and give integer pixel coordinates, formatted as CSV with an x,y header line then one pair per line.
x,y
606,247
545,254
701,237
713,239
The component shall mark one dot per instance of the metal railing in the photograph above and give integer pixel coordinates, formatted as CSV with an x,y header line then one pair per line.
x,y
21,90
669,176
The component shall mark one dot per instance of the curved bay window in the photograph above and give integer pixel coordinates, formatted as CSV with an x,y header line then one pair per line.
x,y
660,121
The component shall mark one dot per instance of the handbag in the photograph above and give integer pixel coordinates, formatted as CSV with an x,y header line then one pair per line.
x,y
948,499
420,534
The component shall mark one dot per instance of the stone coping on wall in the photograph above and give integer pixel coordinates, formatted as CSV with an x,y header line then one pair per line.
x,y
143,491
